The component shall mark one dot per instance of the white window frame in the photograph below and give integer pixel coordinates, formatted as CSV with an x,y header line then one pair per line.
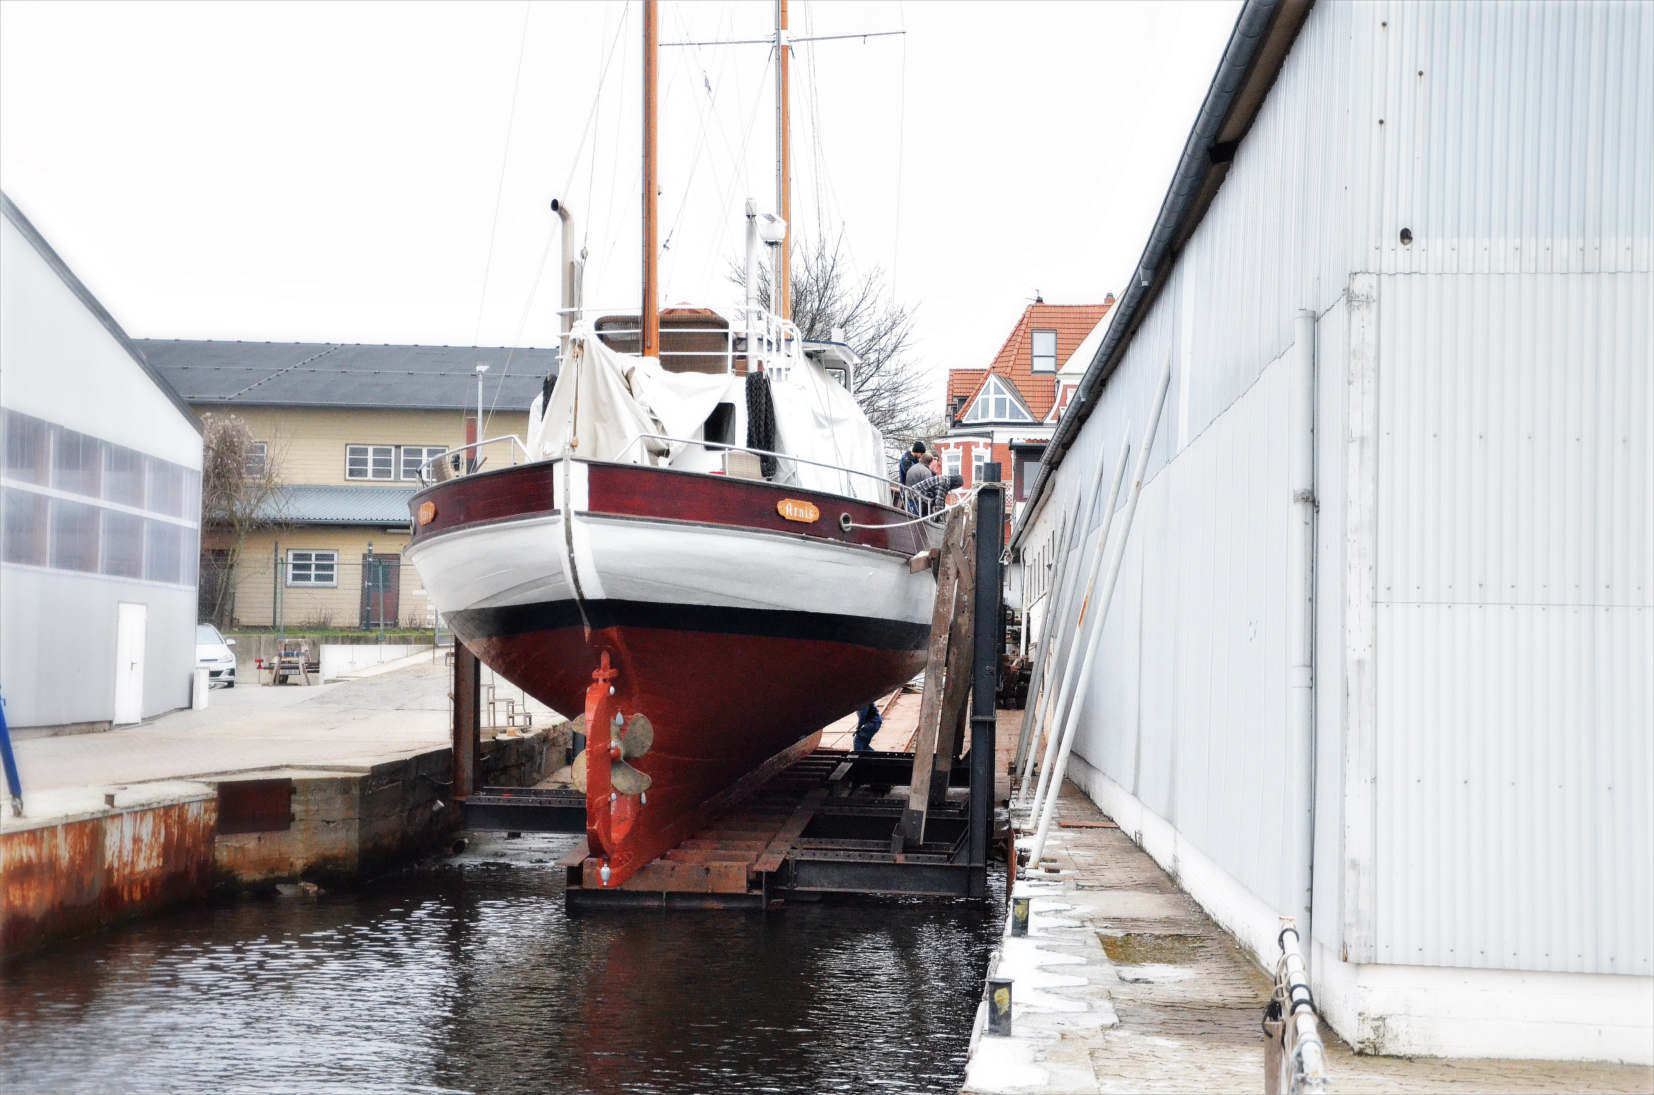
x,y
951,462
424,453
1035,356
997,403
256,461
979,460
311,559
367,453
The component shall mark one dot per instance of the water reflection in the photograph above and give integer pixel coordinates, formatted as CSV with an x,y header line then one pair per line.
x,y
469,976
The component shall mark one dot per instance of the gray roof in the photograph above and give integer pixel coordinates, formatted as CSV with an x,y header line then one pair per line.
x,y
10,211
340,374
339,505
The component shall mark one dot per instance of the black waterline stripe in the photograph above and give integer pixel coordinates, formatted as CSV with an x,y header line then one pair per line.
x,y
717,619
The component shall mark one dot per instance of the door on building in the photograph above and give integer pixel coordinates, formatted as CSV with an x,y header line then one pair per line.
x,y
131,625
381,582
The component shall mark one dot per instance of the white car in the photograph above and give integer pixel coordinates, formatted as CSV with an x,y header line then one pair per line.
x,y
213,653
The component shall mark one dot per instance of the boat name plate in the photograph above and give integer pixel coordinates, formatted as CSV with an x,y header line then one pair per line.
x,y
794,509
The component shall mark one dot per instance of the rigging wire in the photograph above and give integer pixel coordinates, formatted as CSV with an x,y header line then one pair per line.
x,y
550,233
505,159
901,159
708,112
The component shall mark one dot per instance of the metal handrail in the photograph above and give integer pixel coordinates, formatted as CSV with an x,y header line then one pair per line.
x,y
904,492
517,445
770,334
1295,1061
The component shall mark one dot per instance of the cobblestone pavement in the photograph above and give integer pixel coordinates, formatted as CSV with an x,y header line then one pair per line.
x,y
1124,984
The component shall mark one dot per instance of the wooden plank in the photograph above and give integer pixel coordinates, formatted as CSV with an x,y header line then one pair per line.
x,y
911,830
666,876
795,826
576,855
956,680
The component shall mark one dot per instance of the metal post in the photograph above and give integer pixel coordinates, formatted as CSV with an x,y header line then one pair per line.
x,y
467,730
1062,701
1020,911
1070,725
999,1006
985,646
14,786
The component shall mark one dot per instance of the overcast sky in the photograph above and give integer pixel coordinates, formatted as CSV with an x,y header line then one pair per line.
x,y
380,172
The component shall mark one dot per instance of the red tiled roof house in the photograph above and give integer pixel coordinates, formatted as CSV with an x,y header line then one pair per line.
x,y
1007,411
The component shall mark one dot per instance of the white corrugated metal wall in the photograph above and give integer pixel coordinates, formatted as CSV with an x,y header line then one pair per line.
x,y
1492,809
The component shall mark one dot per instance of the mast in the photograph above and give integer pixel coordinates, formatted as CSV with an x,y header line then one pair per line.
x,y
783,301
649,315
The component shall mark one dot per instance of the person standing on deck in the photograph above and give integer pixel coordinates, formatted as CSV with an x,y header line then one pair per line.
x,y
917,473
868,721
909,458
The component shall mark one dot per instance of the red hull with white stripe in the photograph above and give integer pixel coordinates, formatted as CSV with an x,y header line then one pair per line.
x,y
737,631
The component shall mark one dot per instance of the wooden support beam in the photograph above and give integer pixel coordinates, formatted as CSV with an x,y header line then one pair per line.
x,y
952,596
467,729
956,681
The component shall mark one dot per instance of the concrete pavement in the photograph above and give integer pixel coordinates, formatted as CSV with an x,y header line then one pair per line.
x,y
397,710
1123,983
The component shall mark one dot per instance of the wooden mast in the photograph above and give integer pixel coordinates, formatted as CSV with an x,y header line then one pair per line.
x,y
783,302
649,315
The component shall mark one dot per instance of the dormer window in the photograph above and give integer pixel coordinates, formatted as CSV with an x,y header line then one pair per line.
x,y
1045,351
996,402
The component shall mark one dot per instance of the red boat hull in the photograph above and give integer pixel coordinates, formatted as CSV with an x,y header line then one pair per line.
x,y
793,627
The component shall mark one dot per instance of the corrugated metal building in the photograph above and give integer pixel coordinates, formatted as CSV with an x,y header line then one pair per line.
x,y
1461,195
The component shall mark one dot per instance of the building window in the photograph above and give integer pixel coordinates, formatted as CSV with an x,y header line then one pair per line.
x,y
25,524
997,403
1045,351
123,476
76,462
74,536
102,534
256,460
27,442
1026,468
167,490
164,552
951,462
370,461
979,460
123,545
312,568
414,457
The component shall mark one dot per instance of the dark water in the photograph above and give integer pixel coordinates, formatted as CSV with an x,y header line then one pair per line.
x,y
468,975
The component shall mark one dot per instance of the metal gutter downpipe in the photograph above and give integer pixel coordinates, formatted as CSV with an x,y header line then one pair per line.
x,y
1071,724
1079,648
1300,620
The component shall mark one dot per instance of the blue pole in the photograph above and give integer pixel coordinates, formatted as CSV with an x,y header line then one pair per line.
x,y
12,784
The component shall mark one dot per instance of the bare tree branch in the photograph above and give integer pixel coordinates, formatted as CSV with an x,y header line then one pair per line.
x,y
826,295
240,489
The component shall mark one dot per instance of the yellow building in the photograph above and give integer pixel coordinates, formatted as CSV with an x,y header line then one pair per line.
x,y
347,429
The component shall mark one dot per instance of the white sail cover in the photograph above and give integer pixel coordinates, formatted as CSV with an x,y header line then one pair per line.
x,y
605,403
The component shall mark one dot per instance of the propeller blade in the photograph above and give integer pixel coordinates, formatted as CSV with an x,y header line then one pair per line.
x,y
638,738
628,780
577,772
